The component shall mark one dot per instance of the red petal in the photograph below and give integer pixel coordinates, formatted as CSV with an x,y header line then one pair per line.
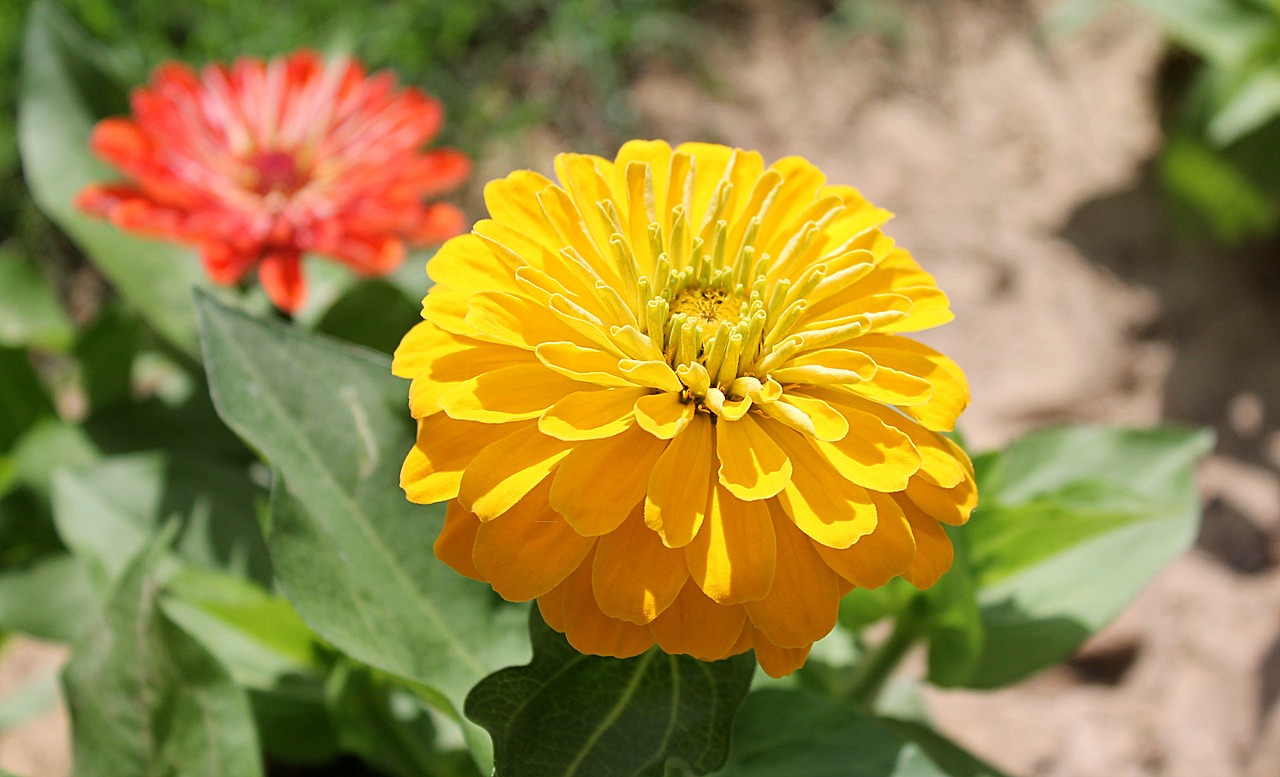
x,y
281,275
225,265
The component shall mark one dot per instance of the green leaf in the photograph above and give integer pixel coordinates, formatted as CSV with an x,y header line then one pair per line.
x,y
30,313
54,124
1222,32
106,512
23,400
51,598
49,446
1251,105
1074,522
256,635
351,553
953,620
374,314
787,733
105,352
387,727
571,715
146,698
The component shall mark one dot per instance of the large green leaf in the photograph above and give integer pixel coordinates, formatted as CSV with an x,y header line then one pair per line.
x,y
1254,103
351,553
567,714
954,621
788,733
1074,522
54,124
147,699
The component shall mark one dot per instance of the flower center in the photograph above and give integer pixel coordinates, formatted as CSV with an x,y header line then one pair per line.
x,y
275,171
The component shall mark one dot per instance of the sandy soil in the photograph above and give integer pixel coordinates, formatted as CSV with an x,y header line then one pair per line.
x,y
1019,172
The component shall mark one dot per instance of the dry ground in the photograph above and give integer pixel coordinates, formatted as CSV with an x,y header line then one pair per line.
x,y
1019,170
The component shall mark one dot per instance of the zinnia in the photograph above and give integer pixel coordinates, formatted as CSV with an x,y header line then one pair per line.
x,y
672,401
262,162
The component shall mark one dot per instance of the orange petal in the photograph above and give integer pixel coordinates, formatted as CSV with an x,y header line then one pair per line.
x,y
635,576
934,552
591,631
456,540
881,555
778,661
820,501
680,485
696,626
529,549
803,602
732,557
600,481
508,469
433,469
752,466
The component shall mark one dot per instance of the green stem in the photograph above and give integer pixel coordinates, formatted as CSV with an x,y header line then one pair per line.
x,y
875,668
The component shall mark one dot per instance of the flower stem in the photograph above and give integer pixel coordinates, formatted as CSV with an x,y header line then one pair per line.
x,y
875,668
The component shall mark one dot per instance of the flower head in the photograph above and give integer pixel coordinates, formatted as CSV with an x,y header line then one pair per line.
x,y
261,162
671,399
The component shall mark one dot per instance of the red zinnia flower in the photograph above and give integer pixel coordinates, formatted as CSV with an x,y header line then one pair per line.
x,y
261,162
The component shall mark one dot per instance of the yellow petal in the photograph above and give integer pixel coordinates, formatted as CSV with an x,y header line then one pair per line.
x,y
881,555
591,415
696,626
752,466
529,549
591,631
600,481
873,455
664,415
508,469
829,365
466,262
518,321
447,309
934,552
448,369
636,577
823,504
433,469
507,394
949,505
679,489
732,556
892,387
777,661
942,462
456,539
950,395
809,416
589,365
513,201
803,602
423,344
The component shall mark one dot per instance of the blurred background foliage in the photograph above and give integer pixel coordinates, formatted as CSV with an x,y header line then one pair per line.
x,y
1221,109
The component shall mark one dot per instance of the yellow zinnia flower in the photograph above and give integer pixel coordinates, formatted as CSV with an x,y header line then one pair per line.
x,y
670,399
